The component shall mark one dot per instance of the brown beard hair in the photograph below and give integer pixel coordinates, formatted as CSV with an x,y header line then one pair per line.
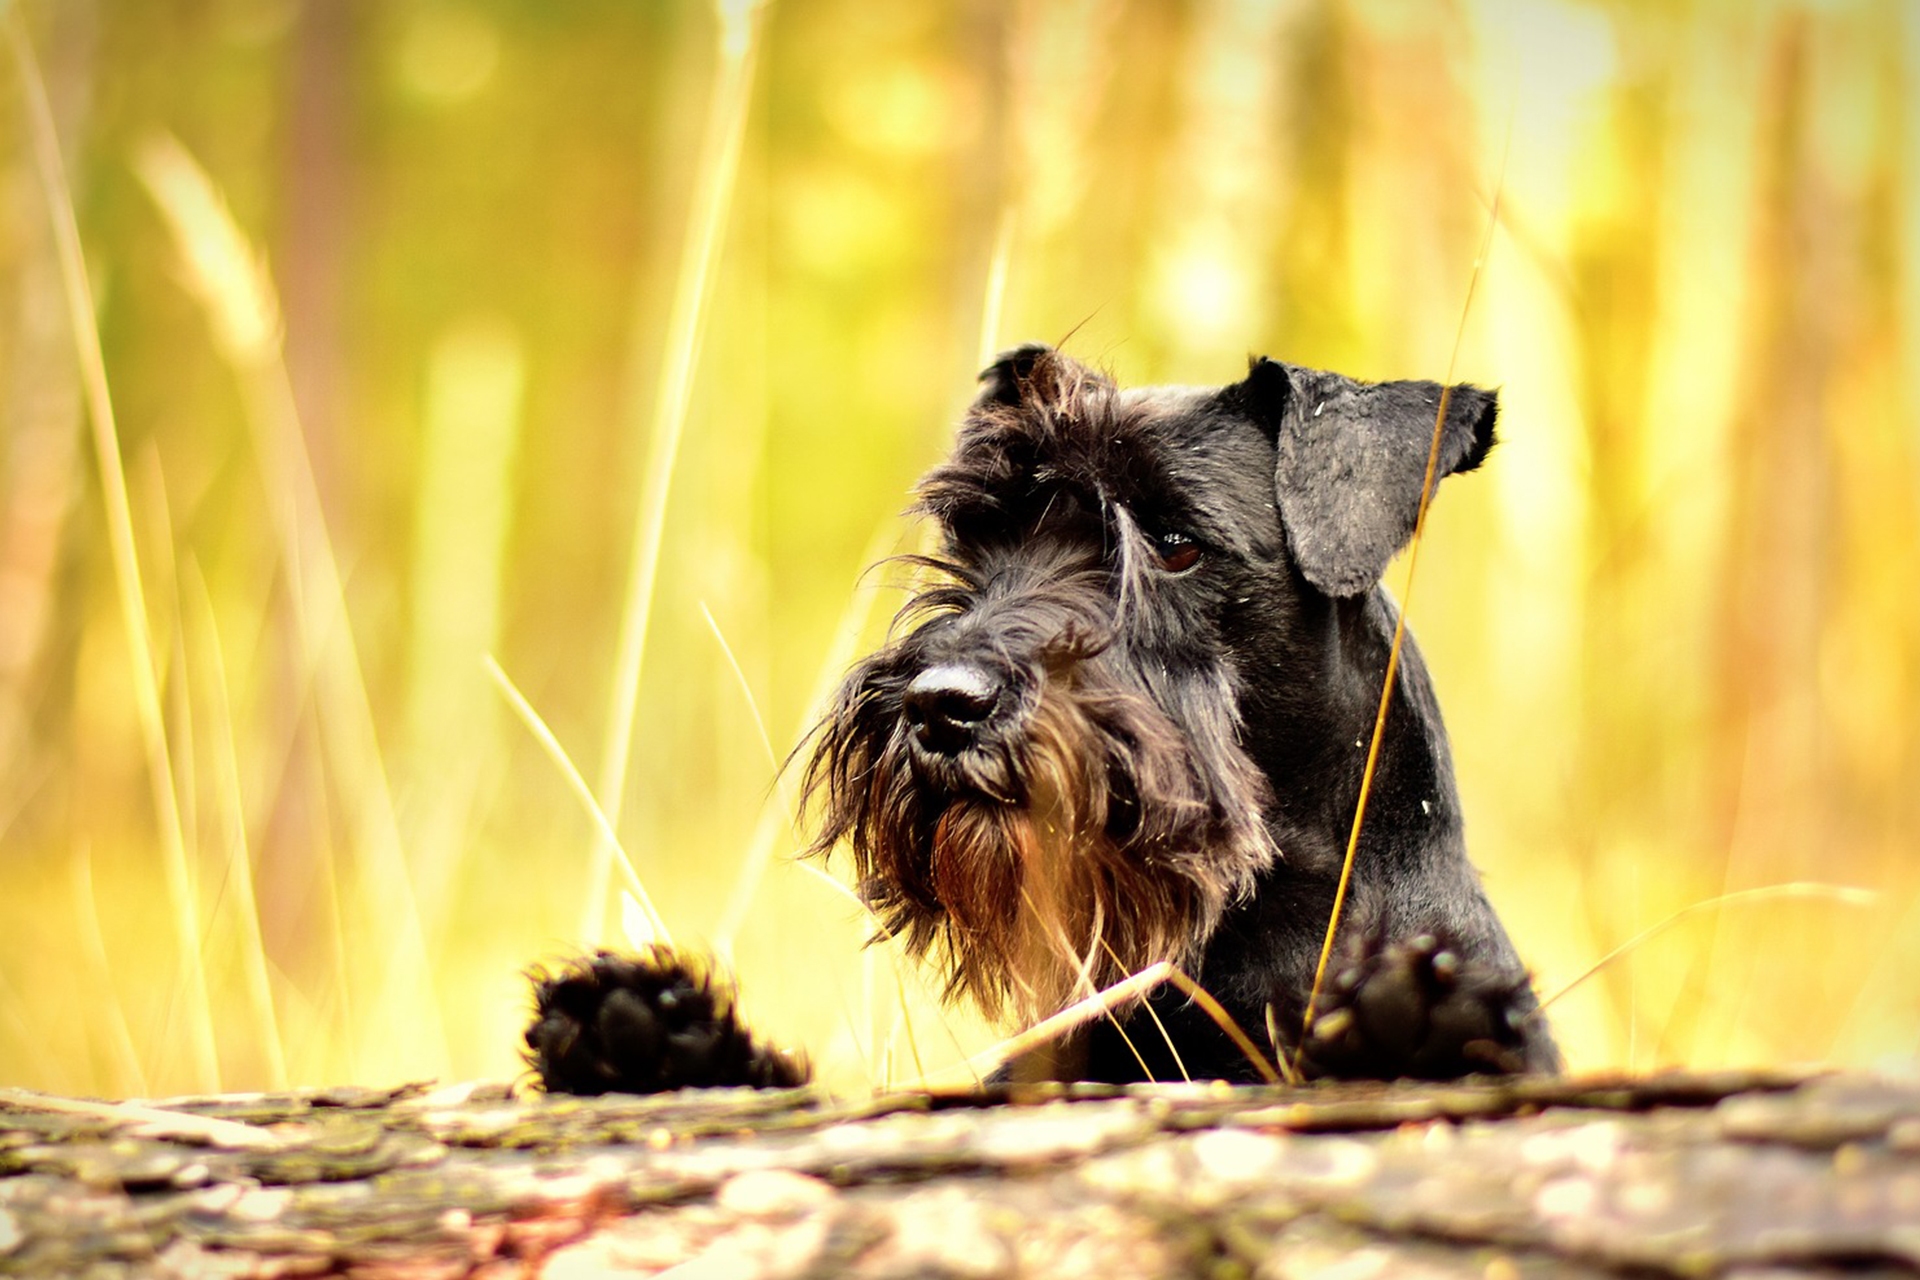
x,y
1041,904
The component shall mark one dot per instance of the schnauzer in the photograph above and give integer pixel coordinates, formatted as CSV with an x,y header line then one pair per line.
x,y
1127,724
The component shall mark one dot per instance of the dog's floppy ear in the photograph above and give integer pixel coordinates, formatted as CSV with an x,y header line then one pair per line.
x,y
1010,375
1352,459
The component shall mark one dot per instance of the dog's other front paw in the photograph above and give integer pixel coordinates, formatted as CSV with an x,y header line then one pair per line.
x,y
645,1022
1417,1008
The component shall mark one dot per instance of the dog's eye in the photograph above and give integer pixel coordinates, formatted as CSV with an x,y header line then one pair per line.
x,y
1176,552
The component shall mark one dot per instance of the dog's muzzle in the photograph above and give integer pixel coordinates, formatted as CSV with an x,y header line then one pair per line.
x,y
947,706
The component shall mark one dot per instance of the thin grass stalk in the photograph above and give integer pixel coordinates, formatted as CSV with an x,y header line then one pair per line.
x,y
232,285
739,25
463,507
905,1023
274,746
161,581
779,812
870,1014
93,946
1399,628
584,794
1844,895
182,907
233,816
903,969
1373,744
1276,1072
1100,1004
1084,965
753,703
1146,1006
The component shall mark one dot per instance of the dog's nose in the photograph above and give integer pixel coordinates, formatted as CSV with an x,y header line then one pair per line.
x,y
946,705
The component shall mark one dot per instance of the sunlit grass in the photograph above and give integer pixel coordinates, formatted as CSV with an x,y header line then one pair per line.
x,y
1405,604
732,94
236,870
182,892
1841,895
388,965
655,927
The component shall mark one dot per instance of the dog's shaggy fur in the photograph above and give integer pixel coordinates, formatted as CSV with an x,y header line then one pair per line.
x,y
1127,723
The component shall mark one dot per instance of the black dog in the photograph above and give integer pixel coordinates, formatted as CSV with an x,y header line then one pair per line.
x,y
1129,725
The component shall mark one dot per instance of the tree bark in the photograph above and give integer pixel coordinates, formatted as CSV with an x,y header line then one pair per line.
x,y
1748,1175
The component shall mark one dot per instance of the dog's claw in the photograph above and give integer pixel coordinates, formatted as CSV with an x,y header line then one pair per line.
x,y
1415,1008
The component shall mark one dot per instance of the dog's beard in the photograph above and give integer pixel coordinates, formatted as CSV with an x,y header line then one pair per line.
x,y
1098,840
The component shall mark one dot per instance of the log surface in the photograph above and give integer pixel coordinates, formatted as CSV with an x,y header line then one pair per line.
x,y
1746,1175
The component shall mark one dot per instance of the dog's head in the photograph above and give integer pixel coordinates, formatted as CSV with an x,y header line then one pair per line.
x,y
1042,776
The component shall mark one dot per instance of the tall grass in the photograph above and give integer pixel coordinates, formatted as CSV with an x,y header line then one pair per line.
x,y
621,334
142,659
389,970
737,29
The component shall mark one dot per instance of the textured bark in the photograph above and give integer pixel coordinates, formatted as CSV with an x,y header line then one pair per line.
x,y
1740,1175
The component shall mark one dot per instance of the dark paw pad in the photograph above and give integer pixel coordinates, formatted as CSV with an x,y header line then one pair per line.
x,y
1416,1008
644,1023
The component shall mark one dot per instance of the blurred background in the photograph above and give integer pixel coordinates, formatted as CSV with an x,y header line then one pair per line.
x,y
348,344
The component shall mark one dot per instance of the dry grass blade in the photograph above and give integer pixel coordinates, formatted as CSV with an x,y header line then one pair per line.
x,y
720,164
994,301
1399,629
230,281
93,946
1166,1036
839,653
232,807
1272,1073
181,893
1082,965
1845,895
1379,733
465,501
905,1023
1103,1003
1081,1011
746,689
807,868
558,754
220,267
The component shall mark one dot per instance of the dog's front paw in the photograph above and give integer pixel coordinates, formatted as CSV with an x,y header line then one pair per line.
x,y
1417,1008
645,1022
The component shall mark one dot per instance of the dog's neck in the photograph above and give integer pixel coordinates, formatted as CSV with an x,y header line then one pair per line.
x,y
1312,739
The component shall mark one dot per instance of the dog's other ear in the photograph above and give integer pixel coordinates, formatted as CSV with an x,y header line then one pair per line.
x,y
1010,375
1352,459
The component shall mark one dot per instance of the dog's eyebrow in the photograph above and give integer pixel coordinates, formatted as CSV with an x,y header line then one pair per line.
x,y
1210,485
1156,502
1135,451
